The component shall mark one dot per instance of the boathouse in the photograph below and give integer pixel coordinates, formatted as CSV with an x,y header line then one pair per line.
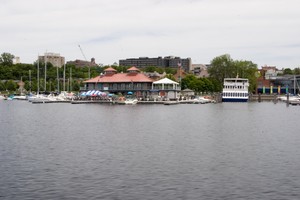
x,y
121,83
133,81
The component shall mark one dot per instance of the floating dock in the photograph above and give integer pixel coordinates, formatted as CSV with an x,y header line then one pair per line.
x,y
171,102
40,102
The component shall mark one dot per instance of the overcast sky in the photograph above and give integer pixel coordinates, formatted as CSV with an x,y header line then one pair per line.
x,y
266,32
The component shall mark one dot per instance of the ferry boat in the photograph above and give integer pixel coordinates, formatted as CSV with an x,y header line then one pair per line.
x,y
235,90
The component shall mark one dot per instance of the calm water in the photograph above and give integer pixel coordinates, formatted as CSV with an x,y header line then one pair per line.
x,y
214,151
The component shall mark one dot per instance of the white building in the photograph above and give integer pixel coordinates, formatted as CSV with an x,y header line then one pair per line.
x,y
54,58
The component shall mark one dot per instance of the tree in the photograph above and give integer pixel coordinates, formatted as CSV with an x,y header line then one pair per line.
x,y
287,71
225,67
2,86
221,67
297,71
171,77
6,59
11,85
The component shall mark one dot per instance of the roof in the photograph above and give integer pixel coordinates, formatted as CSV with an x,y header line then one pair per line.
x,y
120,78
110,69
133,69
165,81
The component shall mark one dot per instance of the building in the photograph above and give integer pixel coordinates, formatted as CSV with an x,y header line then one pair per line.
x,y
113,82
54,58
270,81
132,81
16,60
82,63
199,70
169,61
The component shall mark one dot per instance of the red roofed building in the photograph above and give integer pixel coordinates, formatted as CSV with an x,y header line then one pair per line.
x,y
113,82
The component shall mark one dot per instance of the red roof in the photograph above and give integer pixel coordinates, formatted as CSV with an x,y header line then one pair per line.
x,y
133,69
110,69
120,78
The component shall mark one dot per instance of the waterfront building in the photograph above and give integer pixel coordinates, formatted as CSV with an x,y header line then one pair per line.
x,y
271,81
54,58
166,62
133,81
165,88
113,82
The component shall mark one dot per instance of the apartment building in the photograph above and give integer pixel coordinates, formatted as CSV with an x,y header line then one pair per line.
x,y
168,61
54,58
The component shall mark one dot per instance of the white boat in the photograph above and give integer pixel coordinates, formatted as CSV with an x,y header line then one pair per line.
x,y
291,98
201,100
235,90
131,101
19,97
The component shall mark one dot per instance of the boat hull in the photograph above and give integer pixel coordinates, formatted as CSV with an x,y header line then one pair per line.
x,y
131,101
234,100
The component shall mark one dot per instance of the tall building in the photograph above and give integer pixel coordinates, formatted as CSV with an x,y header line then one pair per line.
x,y
168,61
54,58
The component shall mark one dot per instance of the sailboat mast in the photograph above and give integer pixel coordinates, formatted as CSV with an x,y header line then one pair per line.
x,y
30,81
38,76
294,85
57,79
64,77
70,79
45,72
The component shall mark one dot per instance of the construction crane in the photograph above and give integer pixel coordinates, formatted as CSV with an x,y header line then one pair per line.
x,y
85,60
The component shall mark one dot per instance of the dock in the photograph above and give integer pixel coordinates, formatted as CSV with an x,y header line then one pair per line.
x,y
94,102
171,102
41,101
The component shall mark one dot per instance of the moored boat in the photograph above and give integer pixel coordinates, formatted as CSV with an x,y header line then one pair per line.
x,y
235,90
131,101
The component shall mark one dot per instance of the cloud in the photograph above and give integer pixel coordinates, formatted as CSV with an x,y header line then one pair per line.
x,y
117,29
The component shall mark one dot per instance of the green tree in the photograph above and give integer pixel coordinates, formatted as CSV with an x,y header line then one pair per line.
x,y
297,71
6,59
11,85
221,67
149,69
225,67
287,71
171,77
2,86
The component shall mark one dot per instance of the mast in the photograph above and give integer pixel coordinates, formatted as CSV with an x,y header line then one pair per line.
x,y
30,81
294,85
57,79
70,79
64,77
38,77
45,88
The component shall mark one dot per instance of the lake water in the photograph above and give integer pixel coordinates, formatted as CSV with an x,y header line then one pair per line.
x,y
213,151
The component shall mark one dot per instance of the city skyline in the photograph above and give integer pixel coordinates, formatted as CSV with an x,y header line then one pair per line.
x,y
264,32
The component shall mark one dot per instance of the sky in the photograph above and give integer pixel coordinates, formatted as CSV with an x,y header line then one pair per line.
x,y
266,32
